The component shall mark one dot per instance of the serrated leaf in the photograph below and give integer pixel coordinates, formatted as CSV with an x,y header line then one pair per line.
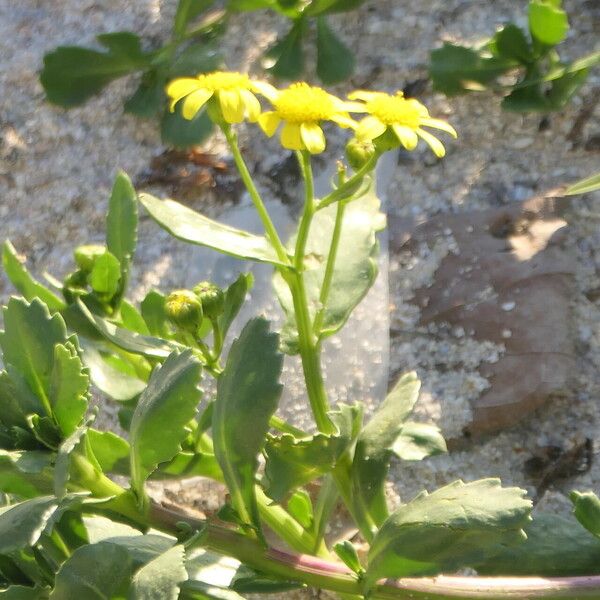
x,y
72,74
418,441
285,58
355,267
590,184
28,340
25,283
453,527
248,393
128,340
121,224
112,382
292,463
456,69
68,388
161,578
26,474
75,443
110,450
548,24
235,296
512,43
374,448
335,61
16,400
163,410
188,225
94,572
556,546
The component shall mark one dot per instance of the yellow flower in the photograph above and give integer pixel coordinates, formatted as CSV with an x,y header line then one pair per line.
x,y
302,108
405,117
235,93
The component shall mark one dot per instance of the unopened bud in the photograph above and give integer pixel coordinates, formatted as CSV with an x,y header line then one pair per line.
x,y
358,152
212,298
85,256
184,310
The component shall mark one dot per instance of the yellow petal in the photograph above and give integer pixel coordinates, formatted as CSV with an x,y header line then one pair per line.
x,y
370,128
356,107
232,105
433,142
251,104
364,95
313,137
439,124
344,121
266,89
179,88
407,136
420,108
194,102
290,137
269,122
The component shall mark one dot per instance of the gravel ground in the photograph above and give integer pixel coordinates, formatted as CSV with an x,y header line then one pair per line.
x,y
57,167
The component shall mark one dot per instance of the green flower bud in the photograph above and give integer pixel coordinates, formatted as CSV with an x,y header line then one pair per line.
x,y
85,256
184,310
358,152
212,298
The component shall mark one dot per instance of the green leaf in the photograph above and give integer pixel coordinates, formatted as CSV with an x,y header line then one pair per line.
x,y
188,225
300,507
285,58
182,133
375,447
453,527
196,58
20,277
68,388
128,340
28,342
164,409
587,510
121,224
110,381
72,74
355,267
21,592
418,441
26,474
457,69
149,98
548,24
16,400
348,554
590,184
105,277
110,450
511,43
335,61
75,443
153,312
95,572
189,464
248,392
556,546
160,578
131,318
186,11
22,524
322,7
292,462
235,296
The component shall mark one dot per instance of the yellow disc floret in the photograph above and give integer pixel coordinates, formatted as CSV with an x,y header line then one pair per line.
x,y
302,108
403,117
234,94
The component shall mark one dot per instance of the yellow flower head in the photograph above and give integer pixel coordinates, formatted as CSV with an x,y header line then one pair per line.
x,y
404,117
302,108
235,93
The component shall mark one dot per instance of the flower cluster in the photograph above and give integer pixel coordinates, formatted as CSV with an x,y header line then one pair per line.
x,y
300,110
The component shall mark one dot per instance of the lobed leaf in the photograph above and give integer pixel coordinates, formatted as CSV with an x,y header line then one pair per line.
x,y
161,578
248,392
285,58
335,61
455,526
26,474
164,409
190,226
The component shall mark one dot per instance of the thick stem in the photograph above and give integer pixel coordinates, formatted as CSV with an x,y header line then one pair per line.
x,y
270,230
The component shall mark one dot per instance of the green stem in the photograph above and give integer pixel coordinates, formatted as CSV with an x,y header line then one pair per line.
x,y
326,501
270,230
342,192
217,338
285,427
330,266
